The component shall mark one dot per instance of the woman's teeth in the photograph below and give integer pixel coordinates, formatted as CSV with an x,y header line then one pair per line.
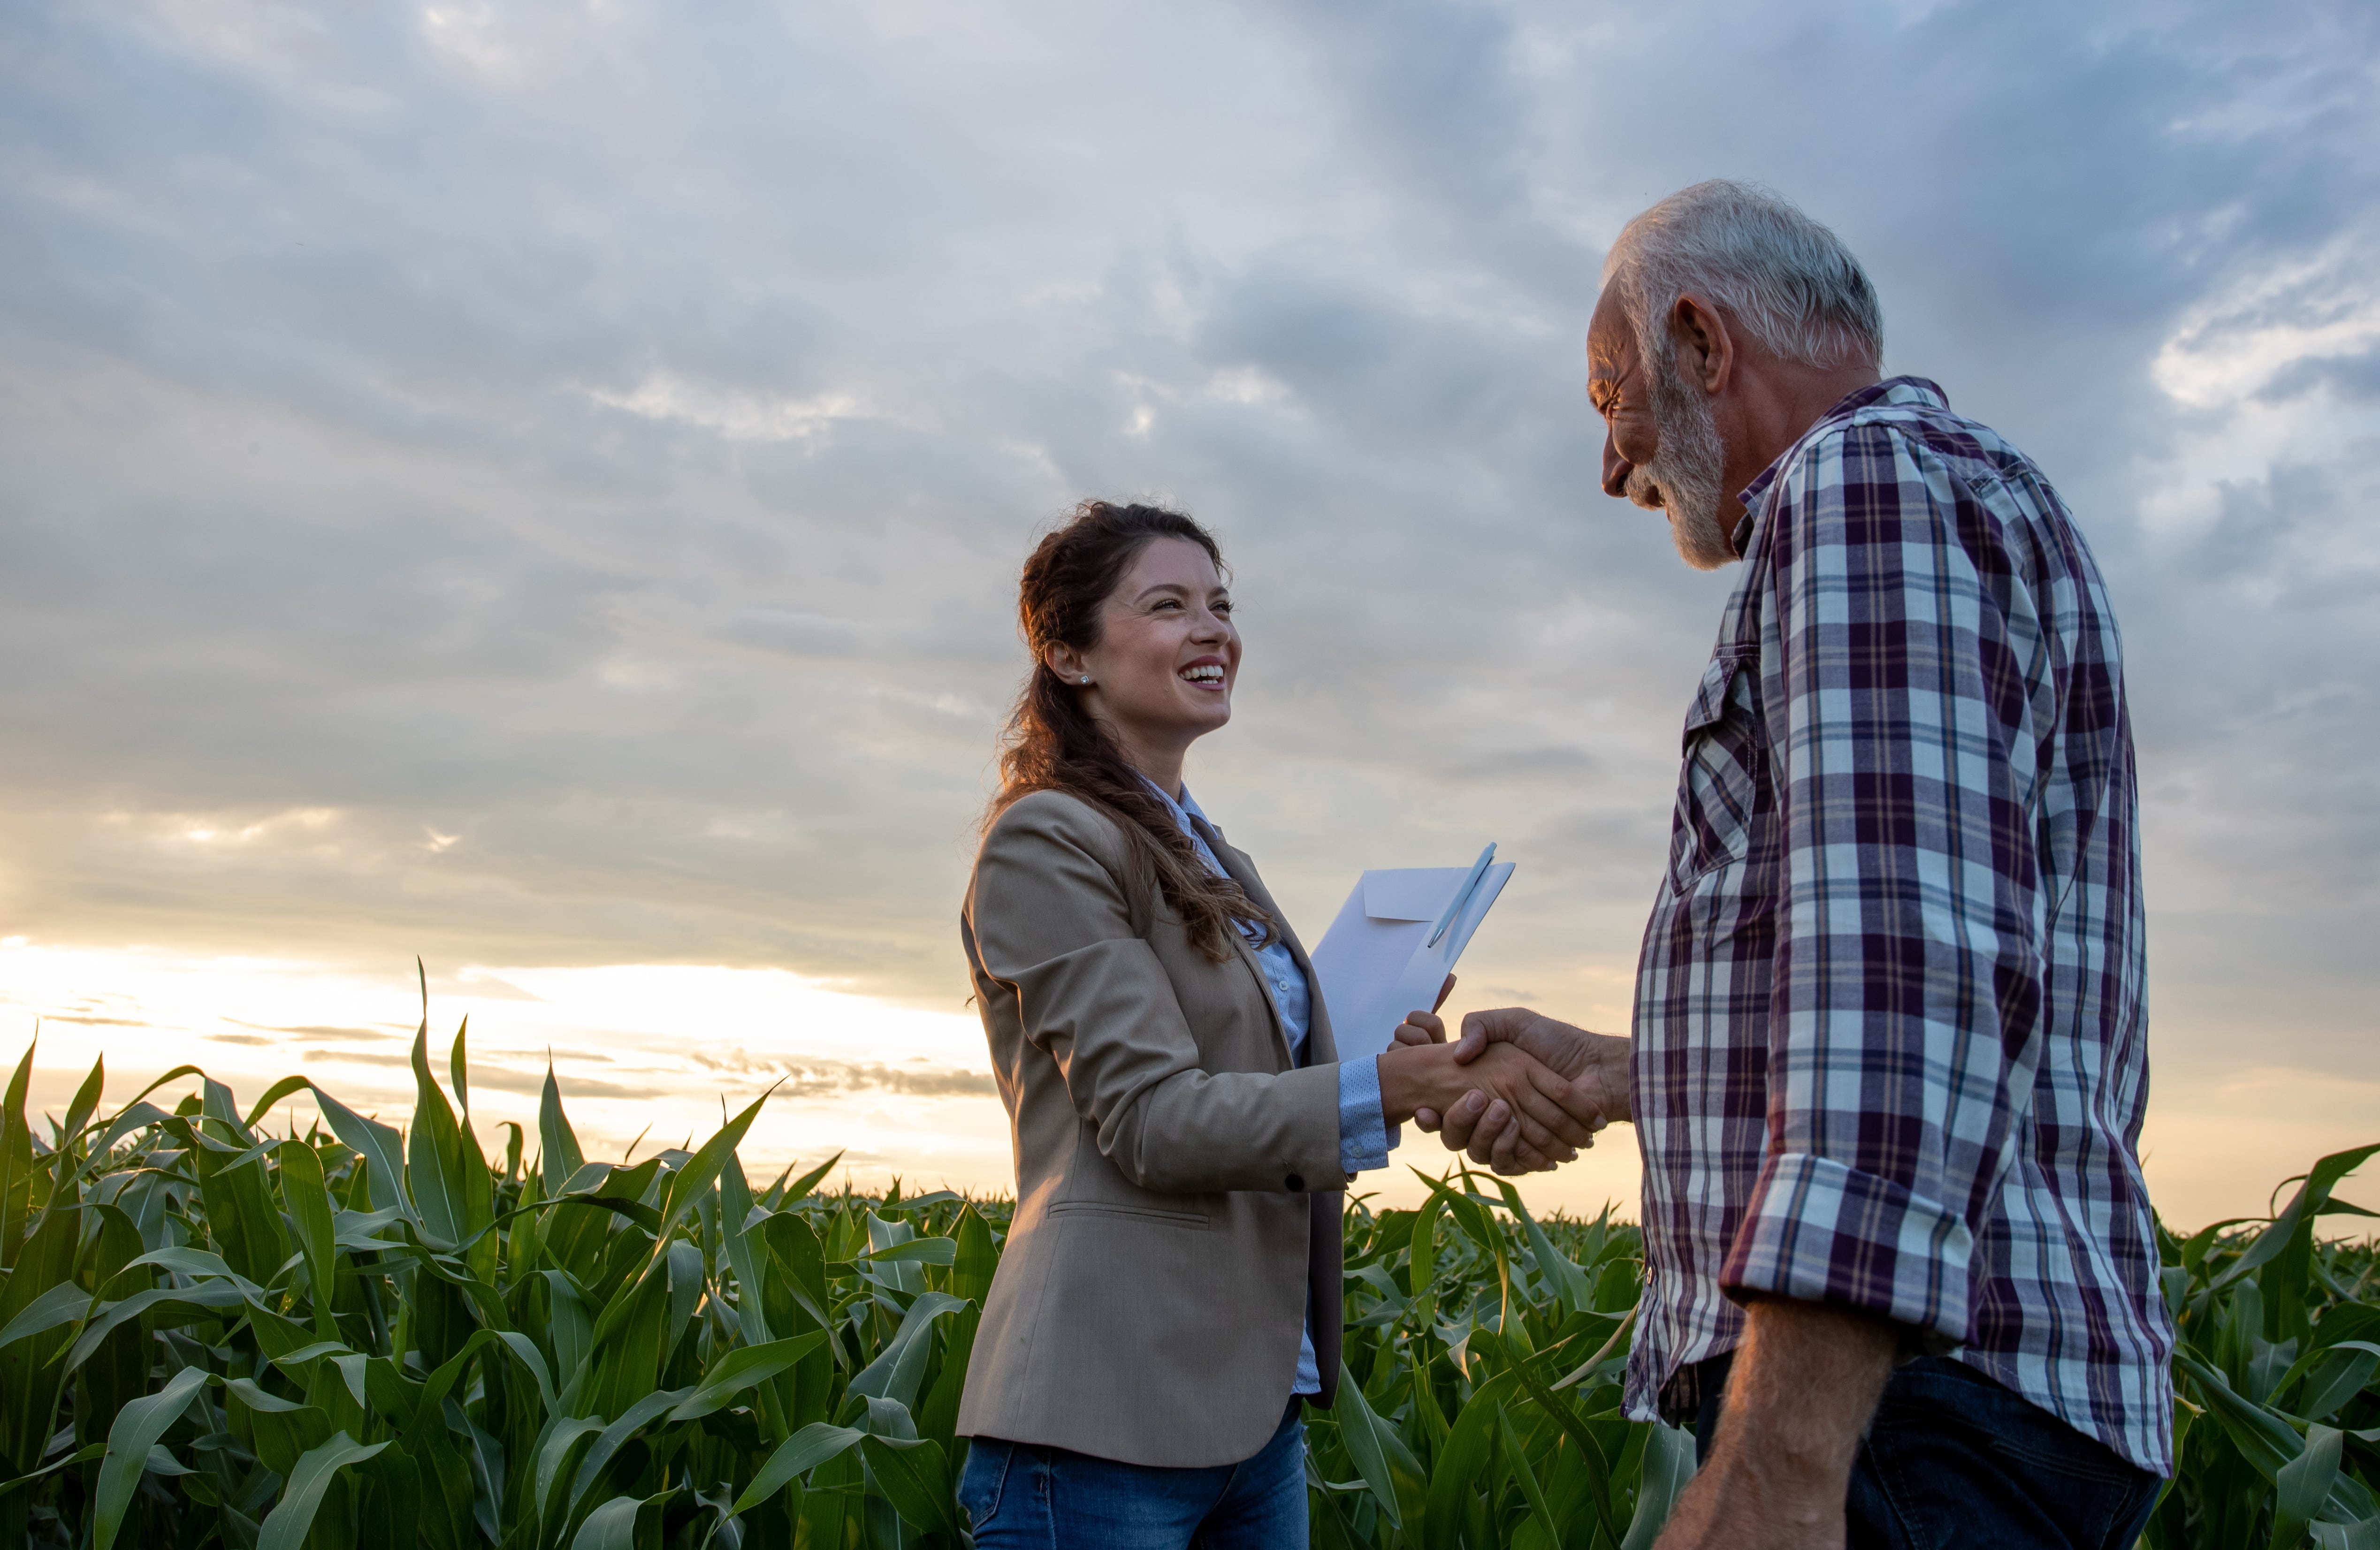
x,y
1203,674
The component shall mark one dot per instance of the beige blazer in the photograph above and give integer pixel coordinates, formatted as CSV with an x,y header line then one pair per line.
x,y
1178,1187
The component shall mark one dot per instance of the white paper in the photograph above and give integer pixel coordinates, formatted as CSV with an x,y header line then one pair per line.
x,y
1376,964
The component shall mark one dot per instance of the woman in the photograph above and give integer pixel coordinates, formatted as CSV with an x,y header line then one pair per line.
x,y
1183,1126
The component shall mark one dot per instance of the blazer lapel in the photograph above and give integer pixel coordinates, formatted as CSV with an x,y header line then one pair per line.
x,y
1320,1048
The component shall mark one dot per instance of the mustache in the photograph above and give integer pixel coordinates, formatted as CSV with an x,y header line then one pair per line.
x,y
1644,487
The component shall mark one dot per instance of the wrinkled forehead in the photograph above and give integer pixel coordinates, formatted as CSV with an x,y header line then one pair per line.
x,y
1610,341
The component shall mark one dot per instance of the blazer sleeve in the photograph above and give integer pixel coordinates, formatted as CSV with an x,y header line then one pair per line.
x,y
1050,919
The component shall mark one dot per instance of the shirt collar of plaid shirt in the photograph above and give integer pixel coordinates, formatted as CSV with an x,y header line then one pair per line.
x,y
1892,389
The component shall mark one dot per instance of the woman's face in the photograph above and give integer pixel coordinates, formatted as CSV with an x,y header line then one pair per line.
x,y
1168,653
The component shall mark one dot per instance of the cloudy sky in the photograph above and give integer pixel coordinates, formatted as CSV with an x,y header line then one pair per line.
x,y
539,487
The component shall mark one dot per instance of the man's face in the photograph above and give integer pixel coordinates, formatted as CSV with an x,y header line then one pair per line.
x,y
1661,445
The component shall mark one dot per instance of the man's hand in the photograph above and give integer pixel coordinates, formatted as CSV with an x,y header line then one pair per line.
x,y
1519,1156
1799,1396
1595,1067
1417,1074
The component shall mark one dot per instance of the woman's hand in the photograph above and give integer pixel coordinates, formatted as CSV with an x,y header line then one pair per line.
x,y
1425,1027
1418,1073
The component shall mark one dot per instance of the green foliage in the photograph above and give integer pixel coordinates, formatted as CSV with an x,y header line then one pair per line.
x,y
2277,1419
361,1337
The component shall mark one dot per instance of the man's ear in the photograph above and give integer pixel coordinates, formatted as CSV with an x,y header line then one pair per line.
x,y
1705,344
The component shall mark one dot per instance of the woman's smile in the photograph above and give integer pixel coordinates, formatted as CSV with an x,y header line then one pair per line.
x,y
1160,674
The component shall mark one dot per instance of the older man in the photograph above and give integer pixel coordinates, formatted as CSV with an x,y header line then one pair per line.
x,y
1889,1059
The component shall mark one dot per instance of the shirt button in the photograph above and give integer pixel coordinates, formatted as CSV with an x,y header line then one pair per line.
x,y
1296,1181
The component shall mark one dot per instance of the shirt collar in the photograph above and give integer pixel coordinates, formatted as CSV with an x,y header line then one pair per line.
x,y
1892,389
1182,810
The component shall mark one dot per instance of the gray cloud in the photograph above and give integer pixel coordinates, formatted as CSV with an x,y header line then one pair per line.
x,y
502,1079
309,1032
825,1078
537,486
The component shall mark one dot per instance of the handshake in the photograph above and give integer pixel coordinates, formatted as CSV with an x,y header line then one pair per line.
x,y
1518,1090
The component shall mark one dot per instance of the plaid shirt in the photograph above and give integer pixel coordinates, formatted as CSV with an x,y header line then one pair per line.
x,y
1890,1030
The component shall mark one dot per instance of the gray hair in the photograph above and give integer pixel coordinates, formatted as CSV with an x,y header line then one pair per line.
x,y
1789,280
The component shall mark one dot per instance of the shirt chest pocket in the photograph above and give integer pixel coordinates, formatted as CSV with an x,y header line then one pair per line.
x,y
1719,787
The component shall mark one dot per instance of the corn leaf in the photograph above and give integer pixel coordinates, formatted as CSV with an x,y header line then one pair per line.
x,y
915,1477
1381,1456
804,1451
136,1431
558,1153
436,1173
62,1304
382,1148
2304,1486
801,1187
897,1370
308,1202
1517,1459
740,1369
2310,1198
16,1159
1669,1464
274,1094
613,1526
292,1518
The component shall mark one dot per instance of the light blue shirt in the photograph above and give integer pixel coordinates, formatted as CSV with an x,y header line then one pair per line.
x,y
1364,1137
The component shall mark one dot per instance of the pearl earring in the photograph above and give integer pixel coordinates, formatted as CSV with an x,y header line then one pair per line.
x,y
1087,678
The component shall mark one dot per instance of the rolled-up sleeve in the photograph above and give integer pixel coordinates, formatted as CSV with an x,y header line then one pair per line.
x,y
1903,689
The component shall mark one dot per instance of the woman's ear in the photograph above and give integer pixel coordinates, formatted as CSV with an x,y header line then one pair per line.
x,y
1066,662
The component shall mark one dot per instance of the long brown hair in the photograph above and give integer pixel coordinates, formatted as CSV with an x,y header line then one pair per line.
x,y
1053,742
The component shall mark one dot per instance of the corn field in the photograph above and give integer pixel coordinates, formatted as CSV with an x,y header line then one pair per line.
x,y
371,1337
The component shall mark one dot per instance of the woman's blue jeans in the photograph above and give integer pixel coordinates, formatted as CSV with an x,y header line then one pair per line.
x,y
1022,1497
1954,1461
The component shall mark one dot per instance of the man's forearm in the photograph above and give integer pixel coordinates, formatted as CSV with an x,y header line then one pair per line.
x,y
1799,1394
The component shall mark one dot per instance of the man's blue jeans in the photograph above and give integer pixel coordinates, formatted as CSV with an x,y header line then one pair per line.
x,y
1022,1497
1954,1460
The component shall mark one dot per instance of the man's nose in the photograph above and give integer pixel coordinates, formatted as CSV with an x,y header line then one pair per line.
x,y
1616,469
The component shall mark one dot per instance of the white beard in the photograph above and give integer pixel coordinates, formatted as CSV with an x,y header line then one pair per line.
x,y
1684,477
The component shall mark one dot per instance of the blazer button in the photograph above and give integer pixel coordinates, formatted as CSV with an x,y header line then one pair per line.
x,y
1296,1181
